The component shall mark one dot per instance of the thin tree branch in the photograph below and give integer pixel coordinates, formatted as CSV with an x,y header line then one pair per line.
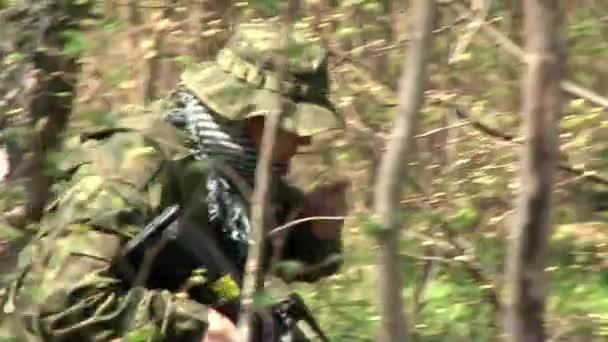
x,y
441,129
401,43
584,93
590,175
467,38
392,167
429,258
462,247
509,46
429,269
253,281
302,220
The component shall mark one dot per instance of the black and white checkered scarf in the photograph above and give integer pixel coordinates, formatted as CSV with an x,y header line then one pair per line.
x,y
213,137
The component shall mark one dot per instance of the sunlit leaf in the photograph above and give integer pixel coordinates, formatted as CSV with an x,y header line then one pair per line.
x,y
263,299
75,44
465,217
371,226
143,334
9,233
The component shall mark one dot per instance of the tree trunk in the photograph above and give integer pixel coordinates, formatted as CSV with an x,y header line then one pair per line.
x,y
541,94
40,86
398,14
154,62
392,167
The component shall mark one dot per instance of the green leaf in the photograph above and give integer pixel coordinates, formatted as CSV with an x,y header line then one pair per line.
x,y
263,299
289,268
269,7
483,178
50,165
577,121
143,334
118,74
435,216
349,3
374,7
112,26
14,57
345,32
98,118
75,43
184,61
439,290
37,294
10,233
371,225
457,311
465,217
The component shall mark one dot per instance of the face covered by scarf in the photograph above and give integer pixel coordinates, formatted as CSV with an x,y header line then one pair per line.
x,y
212,137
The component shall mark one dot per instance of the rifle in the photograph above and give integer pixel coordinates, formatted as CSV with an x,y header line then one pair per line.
x,y
181,248
293,310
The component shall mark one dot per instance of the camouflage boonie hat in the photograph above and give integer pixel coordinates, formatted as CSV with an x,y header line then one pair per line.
x,y
241,82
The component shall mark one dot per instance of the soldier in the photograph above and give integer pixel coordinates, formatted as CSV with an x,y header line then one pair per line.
x,y
198,155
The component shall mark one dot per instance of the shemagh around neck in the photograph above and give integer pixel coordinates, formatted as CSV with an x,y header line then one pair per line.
x,y
212,137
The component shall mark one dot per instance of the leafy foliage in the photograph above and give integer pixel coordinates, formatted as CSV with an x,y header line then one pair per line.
x,y
465,178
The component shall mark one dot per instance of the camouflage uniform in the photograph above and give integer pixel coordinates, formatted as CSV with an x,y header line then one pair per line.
x,y
117,178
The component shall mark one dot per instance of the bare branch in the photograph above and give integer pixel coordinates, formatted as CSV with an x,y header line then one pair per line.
x,y
401,43
467,38
430,258
474,267
253,281
584,93
590,175
302,220
509,46
392,167
429,269
441,129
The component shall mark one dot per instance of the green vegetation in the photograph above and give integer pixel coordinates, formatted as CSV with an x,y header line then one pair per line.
x,y
464,178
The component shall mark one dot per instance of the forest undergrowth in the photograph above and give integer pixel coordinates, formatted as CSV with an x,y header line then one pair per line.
x,y
459,199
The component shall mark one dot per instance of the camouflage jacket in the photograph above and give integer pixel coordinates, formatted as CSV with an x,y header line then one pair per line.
x,y
116,180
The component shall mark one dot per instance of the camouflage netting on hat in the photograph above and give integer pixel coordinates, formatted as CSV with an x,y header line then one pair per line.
x,y
242,82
